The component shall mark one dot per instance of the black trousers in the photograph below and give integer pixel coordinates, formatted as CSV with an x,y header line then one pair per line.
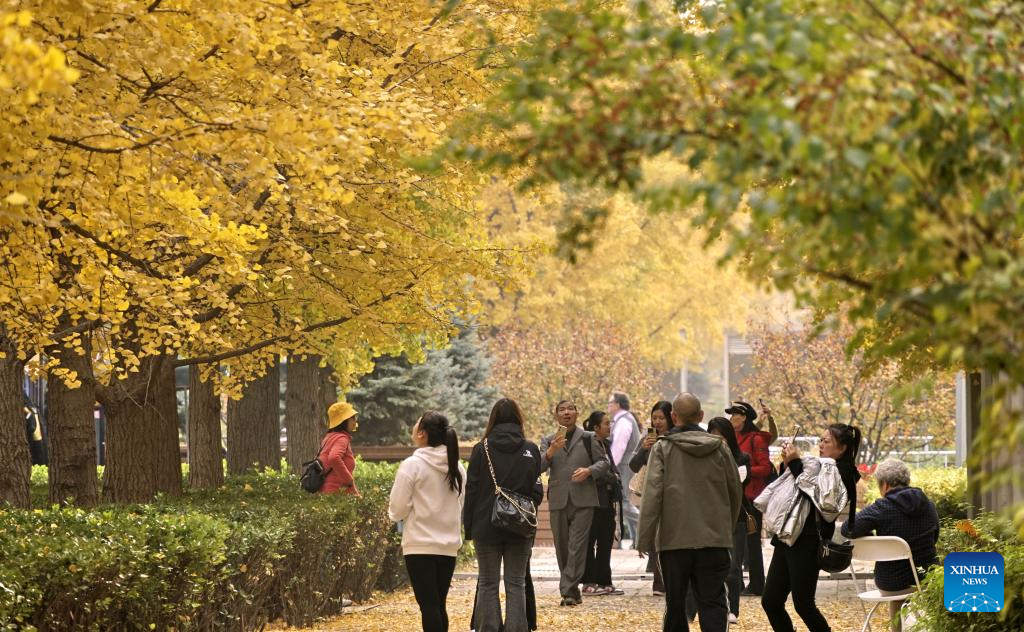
x,y
739,545
705,570
754,557
599,548
794,569
431,577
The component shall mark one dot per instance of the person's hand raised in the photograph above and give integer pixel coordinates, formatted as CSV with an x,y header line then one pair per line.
x,y
557,444
790,452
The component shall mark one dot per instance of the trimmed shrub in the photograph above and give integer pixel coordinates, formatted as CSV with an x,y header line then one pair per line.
x,y
256,550
987,533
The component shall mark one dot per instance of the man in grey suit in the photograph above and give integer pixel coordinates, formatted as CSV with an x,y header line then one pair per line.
x,y
572,494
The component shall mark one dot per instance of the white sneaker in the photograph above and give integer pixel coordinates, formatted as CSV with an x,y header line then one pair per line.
x,y
733,619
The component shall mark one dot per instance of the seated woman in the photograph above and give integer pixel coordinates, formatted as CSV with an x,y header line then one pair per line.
x,y
905,512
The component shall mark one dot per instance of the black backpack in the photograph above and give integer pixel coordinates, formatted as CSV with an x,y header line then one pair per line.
x,y
313,473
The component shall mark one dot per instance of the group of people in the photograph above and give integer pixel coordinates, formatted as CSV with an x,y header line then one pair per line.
x,y
698,507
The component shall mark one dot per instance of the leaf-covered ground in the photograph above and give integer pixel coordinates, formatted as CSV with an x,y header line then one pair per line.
x,y
636,610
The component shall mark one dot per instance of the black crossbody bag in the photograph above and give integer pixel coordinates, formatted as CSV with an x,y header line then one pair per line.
x,y
513,512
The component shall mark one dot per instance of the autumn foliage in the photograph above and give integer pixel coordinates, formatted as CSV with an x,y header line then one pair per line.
x,y
809,381
218,185
584,360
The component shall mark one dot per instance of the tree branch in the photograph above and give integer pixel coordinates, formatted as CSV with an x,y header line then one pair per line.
x,y
227,355
82,327
914,49
105,150
117,252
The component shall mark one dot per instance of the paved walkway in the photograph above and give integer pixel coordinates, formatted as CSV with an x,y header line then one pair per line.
x,y
635,611
629,572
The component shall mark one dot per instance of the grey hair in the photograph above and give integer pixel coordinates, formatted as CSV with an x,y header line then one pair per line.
x,y
621,399
893,473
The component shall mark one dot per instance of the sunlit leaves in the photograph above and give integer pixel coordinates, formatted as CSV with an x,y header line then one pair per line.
x,y
216,178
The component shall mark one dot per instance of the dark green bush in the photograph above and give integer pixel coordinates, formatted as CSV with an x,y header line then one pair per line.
x,y
256,550
987,533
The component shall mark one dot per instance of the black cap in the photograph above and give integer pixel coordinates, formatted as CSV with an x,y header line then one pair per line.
x,y
743,408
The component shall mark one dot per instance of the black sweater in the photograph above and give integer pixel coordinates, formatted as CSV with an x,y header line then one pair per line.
x,y
517,468
905,512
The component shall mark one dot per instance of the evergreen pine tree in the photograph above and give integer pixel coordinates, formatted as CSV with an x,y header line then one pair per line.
x,y
454,380
468,395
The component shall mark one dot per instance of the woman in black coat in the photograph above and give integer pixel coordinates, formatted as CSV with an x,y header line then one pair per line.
x,y
516,468
794,569
661,421
721,427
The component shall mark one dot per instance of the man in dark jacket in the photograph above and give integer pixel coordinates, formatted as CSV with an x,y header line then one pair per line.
x,y
691,502
905,512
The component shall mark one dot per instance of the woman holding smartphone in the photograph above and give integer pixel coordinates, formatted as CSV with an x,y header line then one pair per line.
x,y
661,420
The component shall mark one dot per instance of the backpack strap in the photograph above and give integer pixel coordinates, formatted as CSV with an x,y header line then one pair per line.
x,y
588,441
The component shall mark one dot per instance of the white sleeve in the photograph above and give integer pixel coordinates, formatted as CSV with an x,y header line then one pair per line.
x,y
462,496
620,436
400,502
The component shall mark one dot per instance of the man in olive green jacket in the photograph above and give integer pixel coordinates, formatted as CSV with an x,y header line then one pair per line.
x,y
691,502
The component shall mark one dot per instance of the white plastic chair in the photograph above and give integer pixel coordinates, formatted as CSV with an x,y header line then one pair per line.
x,y
881,548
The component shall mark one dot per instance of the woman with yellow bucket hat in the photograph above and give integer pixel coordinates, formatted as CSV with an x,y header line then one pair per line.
x,y
338,459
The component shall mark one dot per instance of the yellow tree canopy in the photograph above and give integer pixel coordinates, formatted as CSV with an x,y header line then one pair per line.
x,y
232,176
654,276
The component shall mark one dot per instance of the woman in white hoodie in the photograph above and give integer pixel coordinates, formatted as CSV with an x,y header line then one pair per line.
x,y
428,497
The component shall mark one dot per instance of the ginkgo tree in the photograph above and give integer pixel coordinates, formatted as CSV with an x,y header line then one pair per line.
x,y
654,275
221,185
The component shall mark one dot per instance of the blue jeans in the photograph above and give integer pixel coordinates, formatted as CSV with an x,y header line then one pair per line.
x,y
516,557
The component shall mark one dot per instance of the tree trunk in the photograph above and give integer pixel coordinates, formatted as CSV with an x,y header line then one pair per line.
x,y
305,414
328,392
143,457
15,459
254,425
72,430
204,448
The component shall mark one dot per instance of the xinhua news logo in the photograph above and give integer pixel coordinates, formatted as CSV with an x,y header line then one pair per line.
x,y
973,582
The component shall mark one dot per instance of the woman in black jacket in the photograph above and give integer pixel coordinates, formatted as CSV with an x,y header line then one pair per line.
x,y
661,421
722,427
795,568
516,464
597,576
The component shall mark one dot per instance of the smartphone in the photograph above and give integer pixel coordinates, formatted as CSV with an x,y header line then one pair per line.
x,y
652,432
760,402
560,433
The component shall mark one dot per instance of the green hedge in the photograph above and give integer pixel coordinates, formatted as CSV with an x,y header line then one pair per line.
x,y
987,533
256,550
945,486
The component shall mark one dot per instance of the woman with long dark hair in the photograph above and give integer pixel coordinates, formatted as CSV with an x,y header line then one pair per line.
x,y
794,567
516,466
597,575
427,497
661,422
754,442
721,427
